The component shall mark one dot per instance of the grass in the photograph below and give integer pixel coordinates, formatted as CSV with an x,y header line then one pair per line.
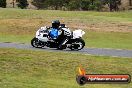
x,y
40,69
109,40
114,28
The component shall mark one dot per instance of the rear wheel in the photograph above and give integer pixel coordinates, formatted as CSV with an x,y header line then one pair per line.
x,y
78,44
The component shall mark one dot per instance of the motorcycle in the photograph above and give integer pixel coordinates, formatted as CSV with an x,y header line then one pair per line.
x,y
71,39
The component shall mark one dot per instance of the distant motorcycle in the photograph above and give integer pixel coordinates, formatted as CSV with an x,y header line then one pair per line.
x,y
73,39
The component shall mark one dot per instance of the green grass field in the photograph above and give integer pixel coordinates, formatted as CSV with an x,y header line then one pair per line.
x,y
103,29
41,69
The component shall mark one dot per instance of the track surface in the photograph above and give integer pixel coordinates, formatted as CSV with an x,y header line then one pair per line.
x,y
92,51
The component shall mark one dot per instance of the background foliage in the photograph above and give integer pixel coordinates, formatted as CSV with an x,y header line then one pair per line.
x,y
3,3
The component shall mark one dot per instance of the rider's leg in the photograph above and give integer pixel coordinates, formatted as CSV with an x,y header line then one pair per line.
x,y
64,41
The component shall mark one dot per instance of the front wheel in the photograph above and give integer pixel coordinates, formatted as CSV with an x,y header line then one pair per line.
x,y
78,44
35,42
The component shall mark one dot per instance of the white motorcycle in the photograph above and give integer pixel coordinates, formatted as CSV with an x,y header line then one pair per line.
x,y
67,38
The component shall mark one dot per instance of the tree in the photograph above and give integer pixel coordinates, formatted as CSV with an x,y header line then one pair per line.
x,y
40,4
3,3
85,5
91,4
55,4
74,5
22,4
52,4
130,2
13,3
113,4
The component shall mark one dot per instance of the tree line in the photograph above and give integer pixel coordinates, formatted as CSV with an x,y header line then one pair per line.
x,y
77,4
20,3
68,4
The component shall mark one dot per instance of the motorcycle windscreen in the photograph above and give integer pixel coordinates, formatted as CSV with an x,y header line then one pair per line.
x,y
54,33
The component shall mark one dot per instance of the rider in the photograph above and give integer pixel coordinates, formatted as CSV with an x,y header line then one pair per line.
x,y
57,33
54,33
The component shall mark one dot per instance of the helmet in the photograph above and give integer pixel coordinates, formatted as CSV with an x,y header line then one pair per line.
x,y
55,24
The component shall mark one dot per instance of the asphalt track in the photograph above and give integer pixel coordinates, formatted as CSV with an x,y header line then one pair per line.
x,y
91,51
